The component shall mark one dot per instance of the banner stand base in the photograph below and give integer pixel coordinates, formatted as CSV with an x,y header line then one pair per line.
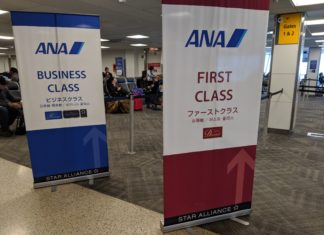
x,y
70,180
170,228
240,221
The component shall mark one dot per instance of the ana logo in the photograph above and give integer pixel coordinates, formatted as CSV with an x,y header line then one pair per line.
x,y
201,38
59,48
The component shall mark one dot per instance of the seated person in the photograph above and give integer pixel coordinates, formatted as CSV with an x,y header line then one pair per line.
x,y
9,108
114,89
153,97
14,74
117,106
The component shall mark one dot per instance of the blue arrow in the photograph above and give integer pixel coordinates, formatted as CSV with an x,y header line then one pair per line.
x,y
94,135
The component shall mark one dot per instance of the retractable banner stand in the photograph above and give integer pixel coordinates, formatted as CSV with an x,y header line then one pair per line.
x,y
213,64
59,62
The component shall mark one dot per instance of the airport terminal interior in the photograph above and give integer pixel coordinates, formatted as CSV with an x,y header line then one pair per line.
x,y
288,187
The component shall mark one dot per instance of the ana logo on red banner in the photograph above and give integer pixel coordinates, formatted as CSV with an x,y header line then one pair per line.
x,y
213,132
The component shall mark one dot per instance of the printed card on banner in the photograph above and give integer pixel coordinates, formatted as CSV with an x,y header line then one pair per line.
x,y
59,60
213,65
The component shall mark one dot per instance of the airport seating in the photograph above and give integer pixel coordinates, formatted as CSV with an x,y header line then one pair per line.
x,y
122,82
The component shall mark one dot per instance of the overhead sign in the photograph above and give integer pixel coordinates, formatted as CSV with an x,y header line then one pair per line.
x,y
289,28
59,57
215,50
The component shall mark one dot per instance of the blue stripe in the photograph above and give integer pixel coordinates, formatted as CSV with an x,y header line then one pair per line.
x,y
54,20
237,38
76,48
63,150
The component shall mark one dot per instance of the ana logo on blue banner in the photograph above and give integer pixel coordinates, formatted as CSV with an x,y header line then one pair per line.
x,y
200,38
59,48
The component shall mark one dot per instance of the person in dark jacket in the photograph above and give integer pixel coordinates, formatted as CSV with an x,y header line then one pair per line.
x,y
117,106
155,94
114,89
9,108
106,74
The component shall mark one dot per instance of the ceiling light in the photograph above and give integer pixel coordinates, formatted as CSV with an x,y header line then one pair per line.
x,y
314,22
104,40
2,53
299,3
4,48
270,32
104,47
318,34
137,36
6,37
3,12
319,41
138,45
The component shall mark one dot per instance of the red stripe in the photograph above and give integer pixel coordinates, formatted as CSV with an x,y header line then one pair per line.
x,y
245,4
200,181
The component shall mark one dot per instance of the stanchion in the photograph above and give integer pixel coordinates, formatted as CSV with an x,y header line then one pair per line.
x,y
131,125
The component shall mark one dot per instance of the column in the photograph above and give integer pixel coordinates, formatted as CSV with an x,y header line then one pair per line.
x,y
287,44
313,67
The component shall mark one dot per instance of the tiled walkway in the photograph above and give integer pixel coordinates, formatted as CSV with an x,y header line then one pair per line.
x,y
72,209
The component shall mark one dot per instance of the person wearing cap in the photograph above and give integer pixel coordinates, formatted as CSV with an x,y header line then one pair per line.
x,y
9,108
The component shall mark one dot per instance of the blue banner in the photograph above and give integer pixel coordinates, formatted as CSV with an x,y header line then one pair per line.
x,y
60,57
120,68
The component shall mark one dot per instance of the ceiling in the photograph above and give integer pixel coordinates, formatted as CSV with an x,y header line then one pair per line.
x,y
133,17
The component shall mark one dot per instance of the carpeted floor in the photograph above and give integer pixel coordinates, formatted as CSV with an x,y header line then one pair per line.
x,y
289,178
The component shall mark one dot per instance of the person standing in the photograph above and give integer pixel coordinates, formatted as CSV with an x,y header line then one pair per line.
x,y
106,74
150,75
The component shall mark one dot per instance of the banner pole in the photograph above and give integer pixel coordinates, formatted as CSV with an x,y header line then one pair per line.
x,y
131,125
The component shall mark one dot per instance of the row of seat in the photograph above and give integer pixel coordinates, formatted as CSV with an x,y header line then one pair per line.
x,y
128,84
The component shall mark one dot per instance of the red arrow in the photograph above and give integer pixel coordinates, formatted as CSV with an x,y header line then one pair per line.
x,y
240,160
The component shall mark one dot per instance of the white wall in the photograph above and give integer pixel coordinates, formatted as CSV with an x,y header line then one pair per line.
x,y
4,63
4,67
108,58
134,60
155,57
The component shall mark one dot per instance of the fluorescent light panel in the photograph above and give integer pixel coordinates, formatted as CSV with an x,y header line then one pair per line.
x,y
138,45
137,36
3,12
4,48
104,40
299,3
318,34
104,47
6,37
270,32
314,22
319,41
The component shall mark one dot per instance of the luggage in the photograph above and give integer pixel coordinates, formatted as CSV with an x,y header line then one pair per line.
x,y
138,104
